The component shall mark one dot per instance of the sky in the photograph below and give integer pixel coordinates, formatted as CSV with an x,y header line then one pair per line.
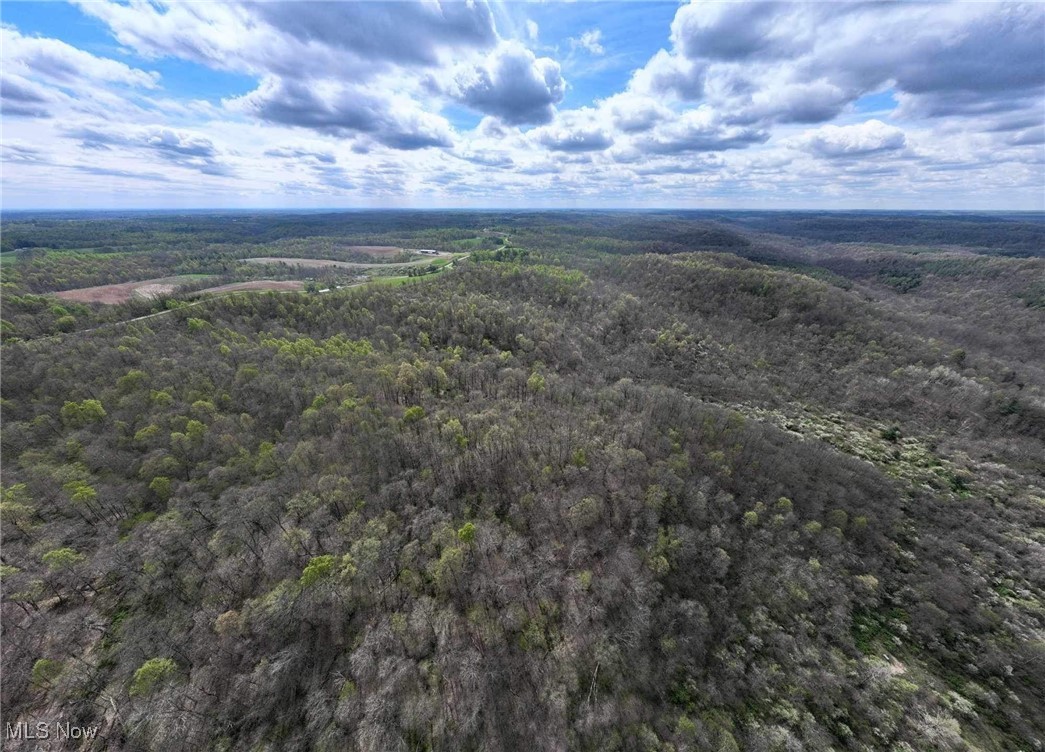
x,y
829,105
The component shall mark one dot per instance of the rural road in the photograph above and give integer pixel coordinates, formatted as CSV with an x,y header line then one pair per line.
x,y
318,263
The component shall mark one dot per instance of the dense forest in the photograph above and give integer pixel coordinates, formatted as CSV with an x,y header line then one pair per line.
x,y
614,481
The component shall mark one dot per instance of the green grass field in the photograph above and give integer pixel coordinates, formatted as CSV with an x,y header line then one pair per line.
x,y
393,281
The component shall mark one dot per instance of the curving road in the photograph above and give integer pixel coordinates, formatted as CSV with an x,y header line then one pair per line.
x,y
318,263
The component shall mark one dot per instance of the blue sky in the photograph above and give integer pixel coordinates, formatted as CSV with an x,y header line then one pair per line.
x,y
422,104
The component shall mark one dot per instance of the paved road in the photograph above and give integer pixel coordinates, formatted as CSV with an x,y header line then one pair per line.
x,y
319,263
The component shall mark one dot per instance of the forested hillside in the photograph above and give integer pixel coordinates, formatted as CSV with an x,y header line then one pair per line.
x,y
621,482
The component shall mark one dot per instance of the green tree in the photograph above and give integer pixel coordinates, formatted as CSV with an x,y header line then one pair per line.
x,y
80,414
320,568
150,675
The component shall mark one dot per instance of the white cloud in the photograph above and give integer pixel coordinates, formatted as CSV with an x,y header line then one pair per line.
x,y
512,84
182,148
24,98
334,107
356,100
18,151
699,130
339,68
576,131
671,75
807,102
863,139
299,38
61,64
590,40
42,76
635,113
804,62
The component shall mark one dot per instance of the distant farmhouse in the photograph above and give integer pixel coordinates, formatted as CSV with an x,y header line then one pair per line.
x,y
427,251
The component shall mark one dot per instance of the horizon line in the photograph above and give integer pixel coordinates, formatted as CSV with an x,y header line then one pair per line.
x,y
556,210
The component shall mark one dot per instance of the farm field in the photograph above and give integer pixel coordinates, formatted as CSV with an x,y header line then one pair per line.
x,y
125,291
379,251
259,285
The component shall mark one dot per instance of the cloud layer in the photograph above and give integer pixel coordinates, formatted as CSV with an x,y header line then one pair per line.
x,y
439,103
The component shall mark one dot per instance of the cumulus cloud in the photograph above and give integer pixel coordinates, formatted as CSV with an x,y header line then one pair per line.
x,y
725,103
635,113
214,34
992,53
333,176
591,40
179,144
24,98
353,68
341,109
573,135
321,64
860,140
302,153
410,33
699,131
56,62
672,75
486,158
704,163
40,73
299,38
491,127
178,147
741,31
805,62
813,102
512,84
